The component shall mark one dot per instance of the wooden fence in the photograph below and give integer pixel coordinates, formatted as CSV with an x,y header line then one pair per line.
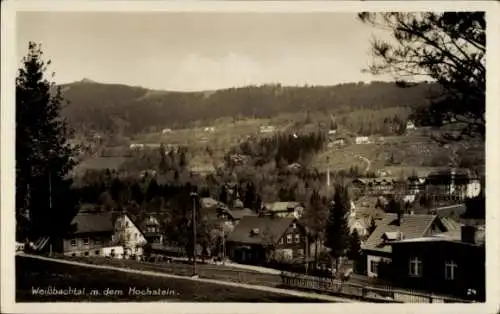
x,y
335,286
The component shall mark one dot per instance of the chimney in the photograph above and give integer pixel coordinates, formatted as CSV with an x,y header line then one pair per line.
x,y
468,234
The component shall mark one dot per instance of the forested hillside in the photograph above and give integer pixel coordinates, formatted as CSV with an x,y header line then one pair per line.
x,y
128,110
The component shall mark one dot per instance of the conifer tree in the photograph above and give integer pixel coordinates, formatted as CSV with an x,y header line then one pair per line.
x,y
43,155
337,230
354,246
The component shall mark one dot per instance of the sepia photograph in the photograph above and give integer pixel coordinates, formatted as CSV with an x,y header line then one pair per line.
x,y
247,155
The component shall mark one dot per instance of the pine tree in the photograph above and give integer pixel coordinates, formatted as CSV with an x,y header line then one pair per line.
x,y
250,196
337,231
163,166
354,246
43,154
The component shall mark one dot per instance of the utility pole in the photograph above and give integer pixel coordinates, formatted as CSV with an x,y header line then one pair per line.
x,y
223,247
50,189
50,204
194,195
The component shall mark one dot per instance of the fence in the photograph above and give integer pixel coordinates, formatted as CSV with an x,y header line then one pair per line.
x,y
335,286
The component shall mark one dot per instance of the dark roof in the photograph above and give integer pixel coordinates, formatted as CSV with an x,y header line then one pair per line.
x,y
93,223
452,211
240,213
412,226
259,230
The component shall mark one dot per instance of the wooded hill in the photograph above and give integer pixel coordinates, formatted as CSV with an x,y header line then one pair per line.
x,y
112,108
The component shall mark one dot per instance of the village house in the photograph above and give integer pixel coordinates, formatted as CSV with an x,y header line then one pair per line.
x,y
136,146
396,227
284,209
92,235
362,140
410,125
339,141
267,129
449,263
151,228
260,239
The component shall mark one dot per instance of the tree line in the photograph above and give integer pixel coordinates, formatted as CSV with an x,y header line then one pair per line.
x,y
118,109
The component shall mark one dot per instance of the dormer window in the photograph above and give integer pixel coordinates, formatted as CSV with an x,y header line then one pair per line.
x,y
392,236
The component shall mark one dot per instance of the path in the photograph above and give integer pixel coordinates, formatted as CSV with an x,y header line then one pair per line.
x,y
218,282
260,269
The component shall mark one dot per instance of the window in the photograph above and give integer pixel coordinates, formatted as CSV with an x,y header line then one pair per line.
x,y
96,252
86,253
300,252
415,267
281,240
98,242
73,242
126,224
297,238
288,238
449,270
86,241
294,225
374,267
135,236
74,254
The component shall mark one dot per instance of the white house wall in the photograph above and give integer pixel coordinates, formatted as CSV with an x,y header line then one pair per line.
x,y
102,252
128,235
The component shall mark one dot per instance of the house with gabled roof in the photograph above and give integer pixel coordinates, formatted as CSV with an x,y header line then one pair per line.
x,y
396,227
103,234
257,239
92,235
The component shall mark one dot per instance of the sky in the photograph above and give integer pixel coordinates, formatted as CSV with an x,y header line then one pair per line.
x,y
189,51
